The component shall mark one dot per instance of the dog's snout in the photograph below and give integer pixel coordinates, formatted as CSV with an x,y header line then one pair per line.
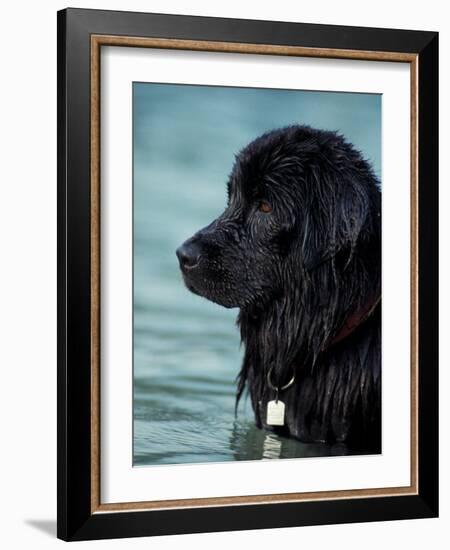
x,y
188,255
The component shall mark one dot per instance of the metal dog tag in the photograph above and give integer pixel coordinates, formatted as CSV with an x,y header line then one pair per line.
x,y
275,413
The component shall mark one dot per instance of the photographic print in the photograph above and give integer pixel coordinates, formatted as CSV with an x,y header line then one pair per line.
x,y
247,274
256,273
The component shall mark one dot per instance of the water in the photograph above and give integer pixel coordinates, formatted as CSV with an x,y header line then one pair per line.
x,y
186,349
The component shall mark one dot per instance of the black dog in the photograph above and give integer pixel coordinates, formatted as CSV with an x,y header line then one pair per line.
x,y
298,250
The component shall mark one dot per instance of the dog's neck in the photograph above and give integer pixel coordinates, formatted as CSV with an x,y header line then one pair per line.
x,y
292,332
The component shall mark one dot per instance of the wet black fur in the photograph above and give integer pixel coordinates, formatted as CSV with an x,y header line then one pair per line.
x,y
297,273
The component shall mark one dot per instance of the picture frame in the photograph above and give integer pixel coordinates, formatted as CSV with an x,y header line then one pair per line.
x,y
81,36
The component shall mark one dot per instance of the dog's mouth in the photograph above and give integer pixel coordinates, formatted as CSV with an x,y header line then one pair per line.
x,y
191,287
185,268
195,284
188,274
195,279
198,282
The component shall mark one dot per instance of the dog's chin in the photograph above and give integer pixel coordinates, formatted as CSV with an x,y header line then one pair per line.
x,y
211,292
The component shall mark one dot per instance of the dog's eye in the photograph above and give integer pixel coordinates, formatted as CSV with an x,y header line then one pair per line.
x,y
265,207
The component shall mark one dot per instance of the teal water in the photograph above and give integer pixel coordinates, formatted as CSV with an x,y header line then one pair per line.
x,y
186,349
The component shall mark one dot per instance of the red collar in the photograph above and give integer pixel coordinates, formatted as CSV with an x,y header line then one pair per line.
x,y
356,319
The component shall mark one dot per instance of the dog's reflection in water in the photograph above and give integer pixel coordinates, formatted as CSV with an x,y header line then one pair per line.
x,y
271,446
248,442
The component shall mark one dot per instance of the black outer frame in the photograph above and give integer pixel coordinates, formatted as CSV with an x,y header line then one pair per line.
x,y
75,521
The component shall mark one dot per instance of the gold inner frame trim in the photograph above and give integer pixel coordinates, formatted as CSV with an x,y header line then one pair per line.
x,y
97,41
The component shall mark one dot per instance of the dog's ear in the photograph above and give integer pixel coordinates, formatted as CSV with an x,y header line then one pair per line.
x,y
334,220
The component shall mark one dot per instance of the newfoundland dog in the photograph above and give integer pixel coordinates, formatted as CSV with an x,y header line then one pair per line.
x,y
298,251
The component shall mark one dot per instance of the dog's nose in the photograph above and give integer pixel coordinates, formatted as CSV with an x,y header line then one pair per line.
x,y
188,255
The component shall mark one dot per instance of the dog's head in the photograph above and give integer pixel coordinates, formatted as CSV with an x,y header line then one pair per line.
x,y
297,197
